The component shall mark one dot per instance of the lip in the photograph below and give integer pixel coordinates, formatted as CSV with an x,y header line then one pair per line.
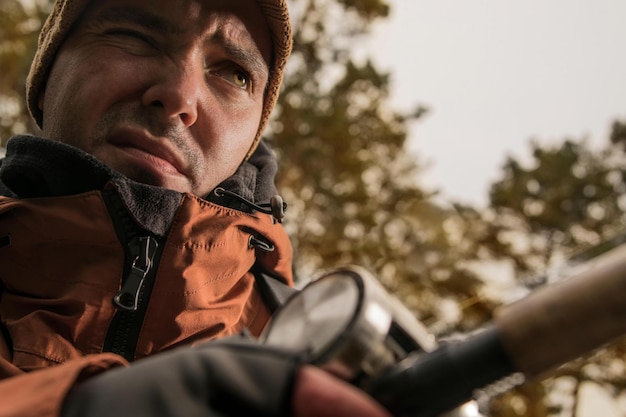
x,y
142,145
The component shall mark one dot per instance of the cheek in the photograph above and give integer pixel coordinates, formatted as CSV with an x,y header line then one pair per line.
x,y
242,134
61,101
79,91
233,130
224,139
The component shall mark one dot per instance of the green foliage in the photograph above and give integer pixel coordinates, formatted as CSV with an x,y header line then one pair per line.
x,y
568,185
19,27
351,185
569,197
367,8
567,203
618,134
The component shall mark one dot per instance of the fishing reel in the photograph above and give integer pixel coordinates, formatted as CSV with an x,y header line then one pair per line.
x,y
346,323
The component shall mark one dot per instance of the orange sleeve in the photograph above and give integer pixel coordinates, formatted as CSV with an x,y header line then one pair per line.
x,y
41,393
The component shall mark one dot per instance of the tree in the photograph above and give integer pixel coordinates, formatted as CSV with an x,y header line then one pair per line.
x,y
563,208
352,187
569,198
19,27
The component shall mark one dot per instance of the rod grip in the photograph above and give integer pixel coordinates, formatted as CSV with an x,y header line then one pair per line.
x,y
563,321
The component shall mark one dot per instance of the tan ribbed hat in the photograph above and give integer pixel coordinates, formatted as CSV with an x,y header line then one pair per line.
x,y
66,12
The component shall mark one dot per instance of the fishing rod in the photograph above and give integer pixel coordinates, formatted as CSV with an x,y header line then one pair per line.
x,y
349,325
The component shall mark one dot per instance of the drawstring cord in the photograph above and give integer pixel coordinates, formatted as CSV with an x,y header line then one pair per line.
x,y
276,206
254,242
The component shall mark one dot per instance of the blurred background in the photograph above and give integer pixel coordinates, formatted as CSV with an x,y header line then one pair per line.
x,y
468,152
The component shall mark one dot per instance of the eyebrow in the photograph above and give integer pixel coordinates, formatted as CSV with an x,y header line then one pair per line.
x,y
155,23
140,17
245,56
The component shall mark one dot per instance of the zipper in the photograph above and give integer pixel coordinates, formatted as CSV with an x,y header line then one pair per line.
x,y
141,254
128,297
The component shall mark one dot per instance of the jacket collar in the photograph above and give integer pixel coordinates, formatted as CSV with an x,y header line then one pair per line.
x,y
35,167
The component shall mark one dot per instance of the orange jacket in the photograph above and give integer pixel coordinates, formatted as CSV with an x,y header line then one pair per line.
x,y
63,259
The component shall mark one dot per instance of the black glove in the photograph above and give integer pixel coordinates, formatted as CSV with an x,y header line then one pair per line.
x,y
230,377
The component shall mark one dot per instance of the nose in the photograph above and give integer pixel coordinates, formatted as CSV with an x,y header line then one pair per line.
x,y
176,90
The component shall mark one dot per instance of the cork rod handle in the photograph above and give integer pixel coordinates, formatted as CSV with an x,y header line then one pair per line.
x,y
566,320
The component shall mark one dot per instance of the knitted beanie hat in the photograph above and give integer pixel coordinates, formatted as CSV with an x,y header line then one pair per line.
x,y
66,12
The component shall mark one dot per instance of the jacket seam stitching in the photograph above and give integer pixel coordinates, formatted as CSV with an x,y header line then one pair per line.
x,y
39,355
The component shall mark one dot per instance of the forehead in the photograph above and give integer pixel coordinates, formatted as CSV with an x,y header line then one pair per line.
x,y
240,20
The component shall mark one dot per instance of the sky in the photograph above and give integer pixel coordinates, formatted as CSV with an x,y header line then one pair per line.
x,y
496,74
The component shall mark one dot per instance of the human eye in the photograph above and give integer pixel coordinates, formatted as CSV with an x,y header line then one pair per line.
x,y
234,75
240,78
129,36
122,32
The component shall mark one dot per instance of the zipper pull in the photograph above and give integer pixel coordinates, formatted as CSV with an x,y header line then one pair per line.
x,y
128,297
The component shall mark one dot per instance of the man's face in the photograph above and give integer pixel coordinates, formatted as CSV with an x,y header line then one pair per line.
x,y
169,93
